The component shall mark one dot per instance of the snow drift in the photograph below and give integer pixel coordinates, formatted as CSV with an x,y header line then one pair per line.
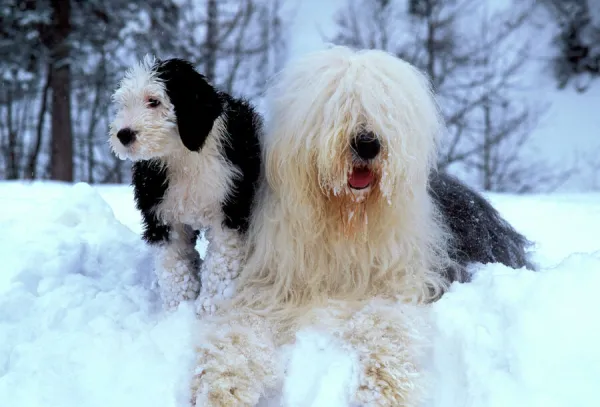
x,y
81,323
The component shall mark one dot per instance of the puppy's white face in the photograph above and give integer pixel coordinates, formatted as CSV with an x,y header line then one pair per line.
x,y
145,125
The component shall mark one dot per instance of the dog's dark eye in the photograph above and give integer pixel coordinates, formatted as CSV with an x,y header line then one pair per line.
x,y
153,102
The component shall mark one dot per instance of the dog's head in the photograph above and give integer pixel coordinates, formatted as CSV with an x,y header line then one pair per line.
x,y
355,129
163,107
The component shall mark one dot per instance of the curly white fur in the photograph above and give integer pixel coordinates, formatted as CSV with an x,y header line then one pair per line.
x,y
220,269
175,268
316,241
237,361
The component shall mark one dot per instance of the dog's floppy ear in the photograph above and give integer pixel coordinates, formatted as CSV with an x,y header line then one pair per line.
x,y
197,103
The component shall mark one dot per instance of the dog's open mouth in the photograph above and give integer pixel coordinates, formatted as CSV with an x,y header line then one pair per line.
x,y
360,178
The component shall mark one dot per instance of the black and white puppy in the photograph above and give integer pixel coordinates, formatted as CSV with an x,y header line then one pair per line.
x,y
197,162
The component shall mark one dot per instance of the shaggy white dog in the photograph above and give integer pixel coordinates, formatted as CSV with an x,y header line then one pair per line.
x,y
196,166
345,233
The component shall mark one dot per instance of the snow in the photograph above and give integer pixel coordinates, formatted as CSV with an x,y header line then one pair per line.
x,y
322,384
78,314
531,342
81,322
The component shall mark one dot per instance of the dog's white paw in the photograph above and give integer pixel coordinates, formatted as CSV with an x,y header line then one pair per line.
x,y
379,388
236,362
178,289
177,283
204,305
222,389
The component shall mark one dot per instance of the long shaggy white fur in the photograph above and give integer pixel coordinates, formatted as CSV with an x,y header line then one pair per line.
x,y
312,239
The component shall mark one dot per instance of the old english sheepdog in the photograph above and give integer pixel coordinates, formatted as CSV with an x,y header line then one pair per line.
x,y
354,232
345,235
197,160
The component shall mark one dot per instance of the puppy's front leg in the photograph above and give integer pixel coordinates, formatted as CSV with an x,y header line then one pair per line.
x,y
177,264
220,269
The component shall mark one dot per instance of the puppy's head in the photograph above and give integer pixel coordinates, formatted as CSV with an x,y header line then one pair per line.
x,y
163,108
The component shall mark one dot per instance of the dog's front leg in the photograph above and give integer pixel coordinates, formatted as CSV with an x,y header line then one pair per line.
x,y
237,362
177,266
388,341
220,269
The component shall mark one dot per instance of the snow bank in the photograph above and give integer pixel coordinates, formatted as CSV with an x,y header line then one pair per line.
x,y
81,324
520,338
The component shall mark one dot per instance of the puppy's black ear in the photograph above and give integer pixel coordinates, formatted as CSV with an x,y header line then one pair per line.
x,y
197,104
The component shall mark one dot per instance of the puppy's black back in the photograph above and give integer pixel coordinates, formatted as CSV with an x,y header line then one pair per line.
x,y
480,233
242,150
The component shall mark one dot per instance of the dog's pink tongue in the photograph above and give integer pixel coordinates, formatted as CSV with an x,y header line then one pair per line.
x,y
360,178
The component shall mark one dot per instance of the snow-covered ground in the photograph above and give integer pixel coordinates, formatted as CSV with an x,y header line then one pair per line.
x,y
81,324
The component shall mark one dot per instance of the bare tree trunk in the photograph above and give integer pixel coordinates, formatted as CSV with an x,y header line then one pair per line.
x,y
92,127
61,157
211,41
486,165
265,35
11,153
238,52
430,43
31,171
487,146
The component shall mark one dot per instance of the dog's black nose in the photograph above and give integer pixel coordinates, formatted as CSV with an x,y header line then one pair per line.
x,y
126,136
366,146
